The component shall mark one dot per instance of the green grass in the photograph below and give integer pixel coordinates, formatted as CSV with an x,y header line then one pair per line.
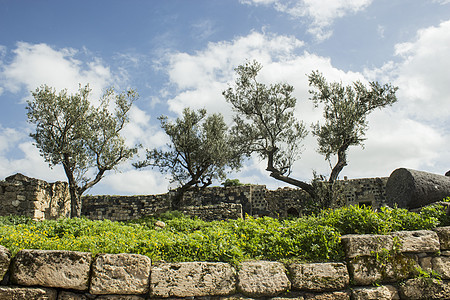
x,y
312,238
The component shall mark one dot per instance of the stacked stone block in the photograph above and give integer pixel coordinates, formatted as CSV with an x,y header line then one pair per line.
x,y
221,211
367,191
122,208
247,196
21,195
376,267
284,202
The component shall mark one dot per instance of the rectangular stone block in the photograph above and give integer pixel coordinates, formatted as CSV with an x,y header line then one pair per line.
x,y
418,241
339,295
65,295
25,293
120,274
425,288
55,268
367,270
120,297
386,292
444,237
5,260
192,279
365,245
262,278
442,266
319,276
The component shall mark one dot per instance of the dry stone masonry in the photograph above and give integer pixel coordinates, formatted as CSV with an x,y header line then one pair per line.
x,y
22,195
375,267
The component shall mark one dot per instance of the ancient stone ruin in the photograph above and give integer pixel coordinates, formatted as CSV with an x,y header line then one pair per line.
x,y
25,196
408,188
22,195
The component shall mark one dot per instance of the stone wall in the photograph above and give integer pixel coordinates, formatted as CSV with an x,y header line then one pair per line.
x,y
251,197
367,191
375,267
221,211
22,195
121,208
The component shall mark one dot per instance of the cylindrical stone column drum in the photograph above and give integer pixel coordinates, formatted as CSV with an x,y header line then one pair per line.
x,y
413,189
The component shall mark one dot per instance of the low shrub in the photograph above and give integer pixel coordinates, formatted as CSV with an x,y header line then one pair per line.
x,y
311,238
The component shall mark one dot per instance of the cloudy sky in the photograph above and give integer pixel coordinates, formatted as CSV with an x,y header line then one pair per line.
x,y
182,53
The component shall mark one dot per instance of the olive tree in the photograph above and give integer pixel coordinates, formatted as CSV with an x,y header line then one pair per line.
x,y
345,111
83,138
200,150
265,122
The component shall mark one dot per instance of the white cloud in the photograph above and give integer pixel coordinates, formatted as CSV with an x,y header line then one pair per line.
x,y
37,64
418,126
321,12
201,77
422,75
394,142
30,164
34,64
442,2
394,139
133,182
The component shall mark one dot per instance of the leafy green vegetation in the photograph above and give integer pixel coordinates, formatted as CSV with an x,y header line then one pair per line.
x,y
310,238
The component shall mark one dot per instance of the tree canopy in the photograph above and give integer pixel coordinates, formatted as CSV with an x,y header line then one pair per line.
x,y
345,111
265,122
200,150
83,138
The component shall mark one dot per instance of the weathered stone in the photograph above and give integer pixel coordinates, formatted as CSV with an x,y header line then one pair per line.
x,y
192,279
319,276
64,269
120,274
5,260
444,237
386,292
65,295
426,263
119,297
262,278
25,196
425,288
367,270
442,266
22,293
412,189
221,211
341,295
418,241
365,245
159,224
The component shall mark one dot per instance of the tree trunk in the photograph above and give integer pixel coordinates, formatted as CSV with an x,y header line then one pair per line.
x,y
341,163
275,173
75,202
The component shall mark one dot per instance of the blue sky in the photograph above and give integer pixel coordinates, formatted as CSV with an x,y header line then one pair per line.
x,y
182,53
